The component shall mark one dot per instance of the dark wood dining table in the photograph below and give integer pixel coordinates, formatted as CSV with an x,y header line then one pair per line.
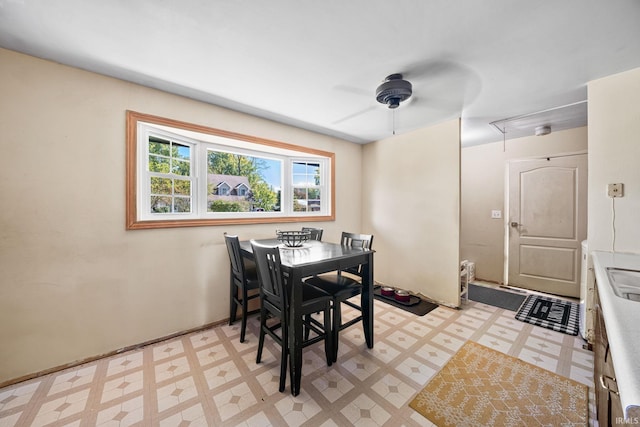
x,y
316,257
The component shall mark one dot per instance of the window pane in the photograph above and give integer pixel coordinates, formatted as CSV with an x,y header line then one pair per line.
x,y
182,151
160,185
313,169
314,193
160,204
306,174
302,180
158,164
181,167
159,146
182,187
299,168
182,204
239,183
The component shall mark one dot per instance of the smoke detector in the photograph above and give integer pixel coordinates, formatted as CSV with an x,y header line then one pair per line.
x,y
393,91
543,130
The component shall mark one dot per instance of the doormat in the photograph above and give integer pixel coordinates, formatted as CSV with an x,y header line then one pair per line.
x,y
550,313
495,297
420,309
480,386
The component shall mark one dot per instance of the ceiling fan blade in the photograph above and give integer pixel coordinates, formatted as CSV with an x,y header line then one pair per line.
x,y
354,90
356,114
444,79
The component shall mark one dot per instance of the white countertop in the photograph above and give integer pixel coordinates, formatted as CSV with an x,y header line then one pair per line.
x,y
622,319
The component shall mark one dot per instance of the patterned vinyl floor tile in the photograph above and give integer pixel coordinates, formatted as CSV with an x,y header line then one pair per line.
x,y
209,378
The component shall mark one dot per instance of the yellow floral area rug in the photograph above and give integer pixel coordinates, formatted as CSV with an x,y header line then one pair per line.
x,y
480,386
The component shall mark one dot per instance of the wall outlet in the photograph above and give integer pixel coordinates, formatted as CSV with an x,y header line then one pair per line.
x,y
615,190
496,214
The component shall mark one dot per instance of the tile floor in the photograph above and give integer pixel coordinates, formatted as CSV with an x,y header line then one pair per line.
x,y
209,378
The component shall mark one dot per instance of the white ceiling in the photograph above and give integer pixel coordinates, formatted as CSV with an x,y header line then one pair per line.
x,y
316,64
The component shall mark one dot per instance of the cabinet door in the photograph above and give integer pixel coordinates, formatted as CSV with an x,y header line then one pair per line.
x,y
608,404
600,350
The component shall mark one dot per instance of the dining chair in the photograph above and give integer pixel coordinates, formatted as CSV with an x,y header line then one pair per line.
x,y
343,287
244,278
316,233
274,304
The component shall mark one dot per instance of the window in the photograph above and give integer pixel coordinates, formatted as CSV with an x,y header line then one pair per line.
x,y
181,174
306,187
170,178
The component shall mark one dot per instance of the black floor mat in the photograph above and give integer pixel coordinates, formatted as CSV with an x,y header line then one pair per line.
x,y
495,297
420,309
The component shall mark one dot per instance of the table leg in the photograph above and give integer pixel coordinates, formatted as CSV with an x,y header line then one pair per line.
x,y
367,300
295,332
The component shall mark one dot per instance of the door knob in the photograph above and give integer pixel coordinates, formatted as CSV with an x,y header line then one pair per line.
x,y
514,224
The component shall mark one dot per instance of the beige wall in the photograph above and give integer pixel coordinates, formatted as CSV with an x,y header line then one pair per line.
x,y
411,204
614,156
483,190
74,284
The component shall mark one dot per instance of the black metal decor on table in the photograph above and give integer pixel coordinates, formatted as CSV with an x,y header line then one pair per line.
x,y
293,239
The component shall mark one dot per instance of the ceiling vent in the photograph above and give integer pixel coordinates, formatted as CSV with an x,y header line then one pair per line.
x,y
393,91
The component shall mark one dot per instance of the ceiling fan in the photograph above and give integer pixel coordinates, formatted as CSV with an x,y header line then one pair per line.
x,y
444,86
393,91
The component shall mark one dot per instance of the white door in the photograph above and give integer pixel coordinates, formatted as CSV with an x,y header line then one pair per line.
x,y
547,223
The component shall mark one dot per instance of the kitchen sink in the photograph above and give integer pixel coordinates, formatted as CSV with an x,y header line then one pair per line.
x,y
625,282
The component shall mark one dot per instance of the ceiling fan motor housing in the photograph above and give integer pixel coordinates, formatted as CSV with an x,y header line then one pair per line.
x,y
393,91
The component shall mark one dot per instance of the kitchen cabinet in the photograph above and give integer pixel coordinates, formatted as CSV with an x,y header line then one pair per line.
x,y
609,408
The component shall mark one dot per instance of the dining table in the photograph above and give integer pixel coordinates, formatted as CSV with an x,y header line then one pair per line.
x,y
311,258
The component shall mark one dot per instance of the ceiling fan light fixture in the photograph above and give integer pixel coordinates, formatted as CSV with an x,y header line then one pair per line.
x,y
543,130
393,91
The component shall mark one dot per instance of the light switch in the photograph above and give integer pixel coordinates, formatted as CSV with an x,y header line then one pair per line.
x,y
496,214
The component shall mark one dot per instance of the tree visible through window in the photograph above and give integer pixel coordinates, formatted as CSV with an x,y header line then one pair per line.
x,y
170,176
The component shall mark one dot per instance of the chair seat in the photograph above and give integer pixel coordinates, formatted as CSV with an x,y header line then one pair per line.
x,y
314,299
338,286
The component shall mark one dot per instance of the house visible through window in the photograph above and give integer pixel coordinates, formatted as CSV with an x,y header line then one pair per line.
x,y
188,175
243,183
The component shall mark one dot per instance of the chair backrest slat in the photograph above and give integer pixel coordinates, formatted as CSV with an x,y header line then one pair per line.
x,y
237,265
316,233
355,240
269,267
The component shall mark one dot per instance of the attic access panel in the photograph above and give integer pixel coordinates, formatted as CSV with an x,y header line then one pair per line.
x,y
559,118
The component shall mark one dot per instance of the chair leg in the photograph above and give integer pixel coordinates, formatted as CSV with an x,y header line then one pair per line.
x,y
233,306
335,328
284,357
245,307
328,336
263,324
307,330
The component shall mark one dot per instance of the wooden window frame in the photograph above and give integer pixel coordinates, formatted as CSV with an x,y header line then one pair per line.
x,y
133,222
